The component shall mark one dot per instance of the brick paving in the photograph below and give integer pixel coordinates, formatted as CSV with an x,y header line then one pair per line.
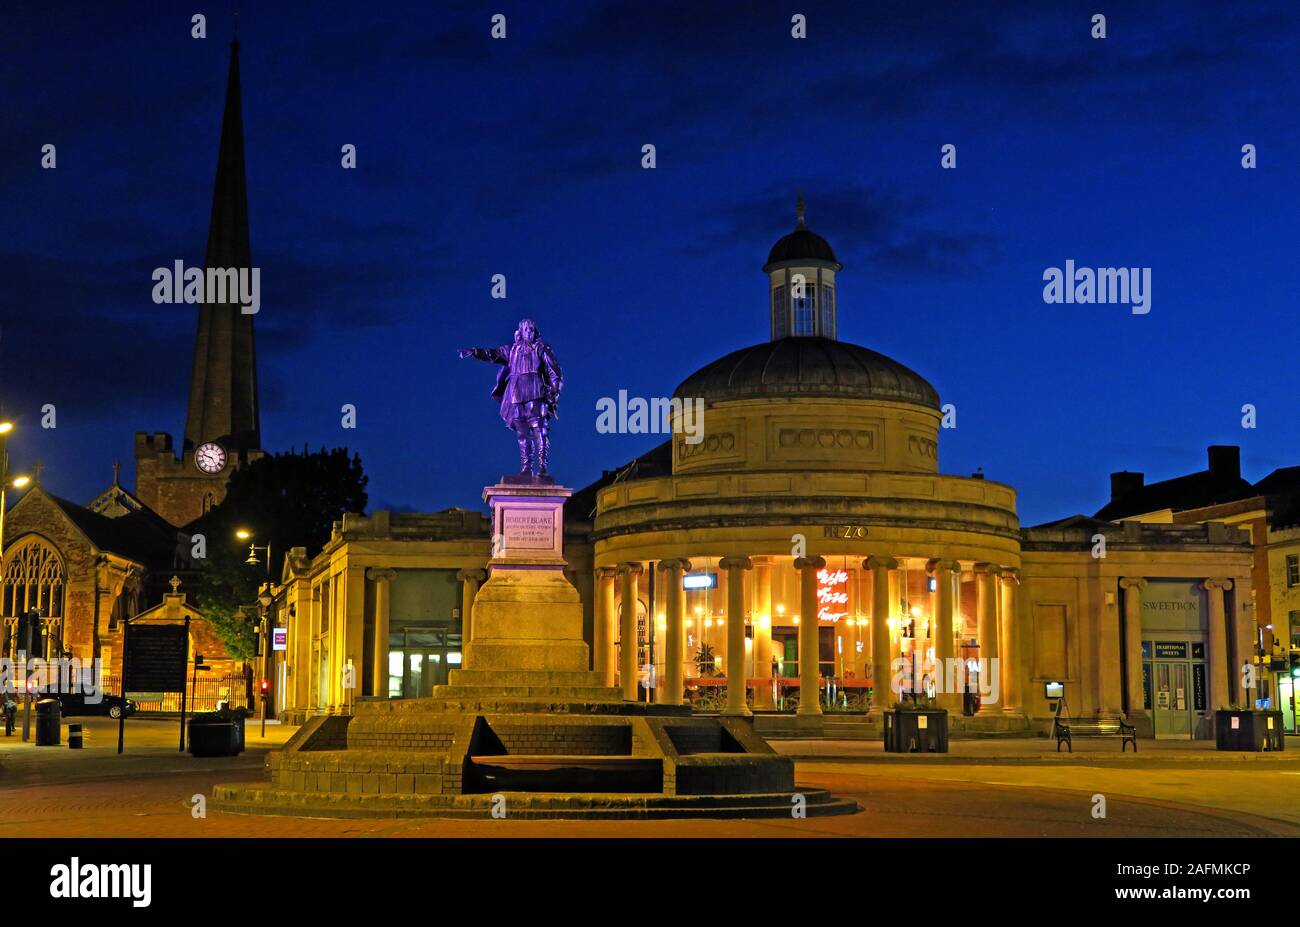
x,y
147,793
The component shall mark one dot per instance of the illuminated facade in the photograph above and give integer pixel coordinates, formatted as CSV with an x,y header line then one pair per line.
x,y
810,518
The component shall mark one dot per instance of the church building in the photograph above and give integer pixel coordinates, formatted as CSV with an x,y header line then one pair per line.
x,y
127,555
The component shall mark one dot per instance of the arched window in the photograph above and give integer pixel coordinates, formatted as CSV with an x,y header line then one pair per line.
x,y
33,578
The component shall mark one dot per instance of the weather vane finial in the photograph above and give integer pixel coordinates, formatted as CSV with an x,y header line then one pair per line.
x,y
798,208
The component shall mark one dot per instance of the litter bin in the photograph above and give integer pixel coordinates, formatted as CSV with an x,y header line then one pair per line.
x,y
212,734
74,736
49,717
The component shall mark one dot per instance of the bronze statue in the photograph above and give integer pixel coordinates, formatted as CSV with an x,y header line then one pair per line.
x,y
529,389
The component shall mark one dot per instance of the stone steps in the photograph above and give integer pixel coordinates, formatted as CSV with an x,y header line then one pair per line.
x,y
258,799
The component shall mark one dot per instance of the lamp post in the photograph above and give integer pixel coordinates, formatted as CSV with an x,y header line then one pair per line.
x,y
18,482
265,599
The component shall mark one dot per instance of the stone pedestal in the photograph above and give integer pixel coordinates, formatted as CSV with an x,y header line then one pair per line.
x,y
527,616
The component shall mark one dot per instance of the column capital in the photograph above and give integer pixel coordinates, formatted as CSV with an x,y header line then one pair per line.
x,y
631,567
1216,584
1011,575
880,563
383,574
736,563
606,572
987,568
1132,582
810,563
676,564
932,566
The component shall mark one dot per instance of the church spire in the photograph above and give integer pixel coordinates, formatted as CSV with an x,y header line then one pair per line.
x,y
223,389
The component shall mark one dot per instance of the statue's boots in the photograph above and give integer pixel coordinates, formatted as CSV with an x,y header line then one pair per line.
x,y
542,441
525,451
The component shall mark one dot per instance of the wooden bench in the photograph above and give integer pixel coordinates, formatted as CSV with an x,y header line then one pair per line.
x,y
1066,729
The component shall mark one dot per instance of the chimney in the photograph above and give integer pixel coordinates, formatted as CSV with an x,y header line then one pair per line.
x,y
1225,461
1123,483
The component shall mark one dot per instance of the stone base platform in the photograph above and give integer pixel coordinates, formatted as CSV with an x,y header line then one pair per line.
x,y
527,806
548,757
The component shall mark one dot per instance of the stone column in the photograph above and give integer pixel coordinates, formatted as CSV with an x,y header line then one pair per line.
x,y
627,667
1012,653
605,631
383,608
881,670
761,611
736,567
986,614
670,688
1216,651
1132,587
945,655
809,690
470,580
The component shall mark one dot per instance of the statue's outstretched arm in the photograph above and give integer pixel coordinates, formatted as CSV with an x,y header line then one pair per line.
x,y
490,355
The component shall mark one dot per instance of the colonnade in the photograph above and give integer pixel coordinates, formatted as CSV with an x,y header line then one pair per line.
x,y
995,609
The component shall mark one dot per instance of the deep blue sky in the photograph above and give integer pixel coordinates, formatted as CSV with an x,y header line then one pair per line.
x,y
522,157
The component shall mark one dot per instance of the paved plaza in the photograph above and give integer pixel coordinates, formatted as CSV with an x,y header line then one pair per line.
x,y
982,788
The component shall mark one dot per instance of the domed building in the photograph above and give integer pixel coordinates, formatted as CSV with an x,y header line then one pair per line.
x,y
811,516
798,555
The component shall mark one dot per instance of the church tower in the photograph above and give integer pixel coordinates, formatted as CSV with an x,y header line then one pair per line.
x,y
801,270
222,428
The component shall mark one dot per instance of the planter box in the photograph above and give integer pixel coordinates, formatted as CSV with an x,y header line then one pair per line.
x,y
916,731
214,737
1253,731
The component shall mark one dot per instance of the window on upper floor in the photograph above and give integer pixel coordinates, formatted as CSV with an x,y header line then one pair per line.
x,y
780,313
804,310
1292,570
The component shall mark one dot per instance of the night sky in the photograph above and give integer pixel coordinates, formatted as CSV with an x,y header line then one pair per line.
x,y
523,157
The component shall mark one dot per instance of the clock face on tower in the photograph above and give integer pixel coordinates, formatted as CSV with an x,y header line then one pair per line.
x,y
210,457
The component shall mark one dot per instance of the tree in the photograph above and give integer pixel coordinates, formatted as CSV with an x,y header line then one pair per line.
x,y
285,500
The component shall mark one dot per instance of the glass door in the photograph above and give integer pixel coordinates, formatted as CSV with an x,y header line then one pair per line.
x,y
1173,702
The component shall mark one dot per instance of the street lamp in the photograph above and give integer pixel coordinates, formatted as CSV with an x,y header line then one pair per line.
x,y
244,534
17,482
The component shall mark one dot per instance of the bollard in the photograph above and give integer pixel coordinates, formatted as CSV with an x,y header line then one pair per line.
x,y
74,736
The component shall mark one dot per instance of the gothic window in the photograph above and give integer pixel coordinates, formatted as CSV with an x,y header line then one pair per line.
x,y
209,500
33,578
780,313
805,310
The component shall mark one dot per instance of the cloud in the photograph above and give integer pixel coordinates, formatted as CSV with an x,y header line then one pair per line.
x,y
885,229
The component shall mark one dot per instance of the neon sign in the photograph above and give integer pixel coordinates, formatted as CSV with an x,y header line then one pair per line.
x,y
832,595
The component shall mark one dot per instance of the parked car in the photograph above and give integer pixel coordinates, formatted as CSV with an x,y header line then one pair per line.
x,y
74,703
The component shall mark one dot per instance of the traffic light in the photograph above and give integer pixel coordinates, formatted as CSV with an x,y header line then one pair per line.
x,y
1295,664
266,687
